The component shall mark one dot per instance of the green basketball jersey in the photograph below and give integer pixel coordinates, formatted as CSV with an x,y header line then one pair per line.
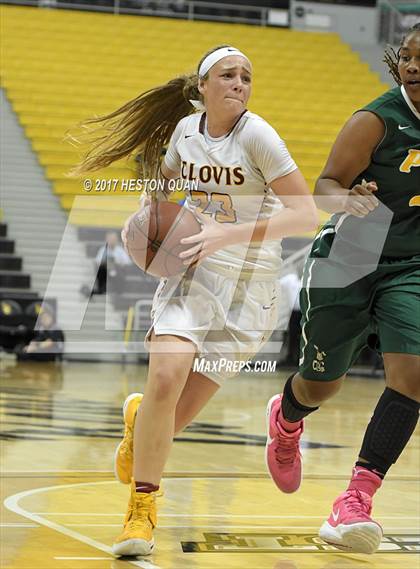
x,y
395,167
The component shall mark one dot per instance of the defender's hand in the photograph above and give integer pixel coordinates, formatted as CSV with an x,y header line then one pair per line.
x,y
361,200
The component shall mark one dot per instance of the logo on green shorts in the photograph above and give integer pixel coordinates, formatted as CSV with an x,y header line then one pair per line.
x,y
318,363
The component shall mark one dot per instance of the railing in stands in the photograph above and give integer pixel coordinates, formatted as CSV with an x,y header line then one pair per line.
x,y
396,17
188,9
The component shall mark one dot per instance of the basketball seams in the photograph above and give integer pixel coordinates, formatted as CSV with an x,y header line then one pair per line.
x,y
153,251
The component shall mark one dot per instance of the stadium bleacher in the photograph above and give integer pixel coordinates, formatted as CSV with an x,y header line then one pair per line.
x,y
11,275
62,67
19,305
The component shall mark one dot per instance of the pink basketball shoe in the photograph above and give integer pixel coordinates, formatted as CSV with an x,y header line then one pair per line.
x,y
350,526
282,454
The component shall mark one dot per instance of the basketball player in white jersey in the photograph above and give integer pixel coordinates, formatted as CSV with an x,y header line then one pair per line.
x,y
248,194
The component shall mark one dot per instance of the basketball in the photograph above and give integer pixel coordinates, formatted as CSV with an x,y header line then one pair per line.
x,y
154,237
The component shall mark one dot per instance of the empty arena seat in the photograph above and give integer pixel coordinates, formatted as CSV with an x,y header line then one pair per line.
x,y
54,81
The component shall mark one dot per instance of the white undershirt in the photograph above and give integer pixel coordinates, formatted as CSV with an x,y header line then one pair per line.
x,y
409,102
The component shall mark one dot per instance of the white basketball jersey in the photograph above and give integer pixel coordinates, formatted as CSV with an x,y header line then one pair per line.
x,y
229,179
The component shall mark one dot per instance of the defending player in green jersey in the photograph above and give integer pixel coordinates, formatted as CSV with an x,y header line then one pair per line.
x,y
395,169
362,284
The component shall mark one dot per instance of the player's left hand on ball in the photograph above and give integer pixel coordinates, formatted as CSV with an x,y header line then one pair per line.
x,y
212,237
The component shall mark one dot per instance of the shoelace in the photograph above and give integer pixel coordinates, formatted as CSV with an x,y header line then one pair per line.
x,y
286,449
126,445
357,504
140,510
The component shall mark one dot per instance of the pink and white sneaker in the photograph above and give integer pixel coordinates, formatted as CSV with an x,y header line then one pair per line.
x,y
282,454
350,526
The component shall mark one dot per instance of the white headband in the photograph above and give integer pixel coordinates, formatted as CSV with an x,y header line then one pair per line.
x,y
211,60
216,56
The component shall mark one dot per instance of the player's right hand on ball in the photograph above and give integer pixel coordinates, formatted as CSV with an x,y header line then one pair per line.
x,y
361,200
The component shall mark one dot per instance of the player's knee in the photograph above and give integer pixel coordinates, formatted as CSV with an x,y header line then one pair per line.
x,y
408,386
164,385
402,372
316,392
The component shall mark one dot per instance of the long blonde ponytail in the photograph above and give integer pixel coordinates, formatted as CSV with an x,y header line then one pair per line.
x,y
142,126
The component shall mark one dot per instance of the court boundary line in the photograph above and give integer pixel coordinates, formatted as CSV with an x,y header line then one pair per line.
x,y
223,528
64,558
188,475
12,504
241,516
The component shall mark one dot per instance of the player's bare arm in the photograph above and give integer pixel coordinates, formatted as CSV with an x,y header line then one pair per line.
x,y
350,155
167,174
299,215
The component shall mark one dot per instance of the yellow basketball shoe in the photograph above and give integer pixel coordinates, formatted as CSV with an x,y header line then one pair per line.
x,y
139,523
123,459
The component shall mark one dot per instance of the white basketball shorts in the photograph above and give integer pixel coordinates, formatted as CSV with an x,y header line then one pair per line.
x,y
226,319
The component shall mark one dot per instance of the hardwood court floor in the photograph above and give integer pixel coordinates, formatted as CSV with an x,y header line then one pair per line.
x,y
62,507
